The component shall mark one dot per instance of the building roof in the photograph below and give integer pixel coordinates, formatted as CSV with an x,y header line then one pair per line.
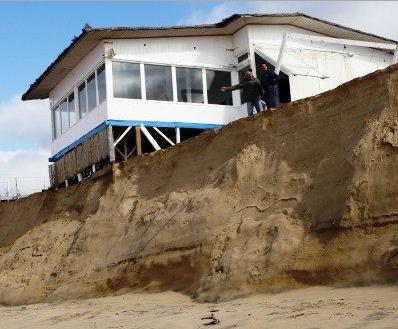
x,y
90,37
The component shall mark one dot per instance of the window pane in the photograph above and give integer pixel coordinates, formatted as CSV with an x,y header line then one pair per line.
x,y
91,92
126,80
57,123
72,110
242,57
82,100
64,116
101,84
241,74
189,85
158,83
215,80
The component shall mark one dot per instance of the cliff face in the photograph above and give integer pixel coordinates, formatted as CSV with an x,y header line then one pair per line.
x,y
306,194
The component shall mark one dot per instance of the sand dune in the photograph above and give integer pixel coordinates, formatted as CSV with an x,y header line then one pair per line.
x,y
300,196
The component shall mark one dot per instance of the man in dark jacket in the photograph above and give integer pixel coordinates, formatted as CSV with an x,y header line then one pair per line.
x,y
269,82
252,90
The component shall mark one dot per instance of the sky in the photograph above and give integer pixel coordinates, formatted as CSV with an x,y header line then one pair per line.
x,y
32,35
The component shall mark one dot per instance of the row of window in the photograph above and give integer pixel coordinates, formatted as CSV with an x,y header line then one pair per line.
x,y
91,92
127,84
159,86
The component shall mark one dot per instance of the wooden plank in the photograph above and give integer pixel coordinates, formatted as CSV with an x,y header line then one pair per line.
x,y
138,140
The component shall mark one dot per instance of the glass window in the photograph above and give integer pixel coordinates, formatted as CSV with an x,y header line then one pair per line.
x,y
63,107
91,92
158,83
189,85
215,80
241,74
57,123
126,80
71,110
101,84
82,100
242,57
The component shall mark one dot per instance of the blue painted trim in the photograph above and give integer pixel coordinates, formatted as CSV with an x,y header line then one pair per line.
x,y
129,123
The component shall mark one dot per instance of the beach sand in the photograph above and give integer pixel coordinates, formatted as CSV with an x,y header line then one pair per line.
x,y
316,307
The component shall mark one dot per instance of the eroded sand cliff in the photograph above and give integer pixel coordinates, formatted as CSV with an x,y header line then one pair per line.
x,y
303,195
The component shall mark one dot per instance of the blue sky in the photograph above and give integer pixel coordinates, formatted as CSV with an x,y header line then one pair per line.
x,y
32,35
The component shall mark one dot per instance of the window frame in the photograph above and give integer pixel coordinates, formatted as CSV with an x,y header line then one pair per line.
x,y
172,83
174,80
142,73
75,93
207,98
176,84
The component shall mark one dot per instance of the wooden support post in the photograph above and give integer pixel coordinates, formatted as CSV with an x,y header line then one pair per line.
x,y
138,140
111,144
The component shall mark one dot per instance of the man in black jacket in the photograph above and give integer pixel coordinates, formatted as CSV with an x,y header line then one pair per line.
x,y
252,90
269,82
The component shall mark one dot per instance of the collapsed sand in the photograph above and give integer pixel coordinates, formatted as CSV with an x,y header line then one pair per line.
x,y
302,195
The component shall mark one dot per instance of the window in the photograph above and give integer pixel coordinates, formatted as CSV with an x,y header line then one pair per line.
x,y
82,100
57,123
101,83
126,80
63,107
71,110
242,57
158,83
215,80
189,85
241,74
91,92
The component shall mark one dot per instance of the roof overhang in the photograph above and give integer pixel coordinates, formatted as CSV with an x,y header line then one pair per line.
x,y
91,37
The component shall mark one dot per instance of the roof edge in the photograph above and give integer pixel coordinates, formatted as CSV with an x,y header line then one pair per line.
x,y
223,23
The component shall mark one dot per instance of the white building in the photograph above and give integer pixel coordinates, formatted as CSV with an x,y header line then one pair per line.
x,y
165,82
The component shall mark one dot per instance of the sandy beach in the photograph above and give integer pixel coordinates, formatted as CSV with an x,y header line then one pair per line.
x,y
318,307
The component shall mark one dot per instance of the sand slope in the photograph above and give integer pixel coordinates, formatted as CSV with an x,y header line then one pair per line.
x,y
304,195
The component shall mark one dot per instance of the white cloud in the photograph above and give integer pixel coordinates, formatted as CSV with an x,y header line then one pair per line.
x,y
24,142
29,166
24,124
378,17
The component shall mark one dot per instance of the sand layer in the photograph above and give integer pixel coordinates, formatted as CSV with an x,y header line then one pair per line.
x,y
303,195
311,308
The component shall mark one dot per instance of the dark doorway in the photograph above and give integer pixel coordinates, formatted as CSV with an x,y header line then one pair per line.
x,y
283,85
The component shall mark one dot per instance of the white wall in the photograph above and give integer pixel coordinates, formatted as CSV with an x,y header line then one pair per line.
x,y
148,110
337,62
240,41
78,74
203,51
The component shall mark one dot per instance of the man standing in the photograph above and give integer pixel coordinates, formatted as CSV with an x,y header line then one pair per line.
x,y
252,90
269,82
